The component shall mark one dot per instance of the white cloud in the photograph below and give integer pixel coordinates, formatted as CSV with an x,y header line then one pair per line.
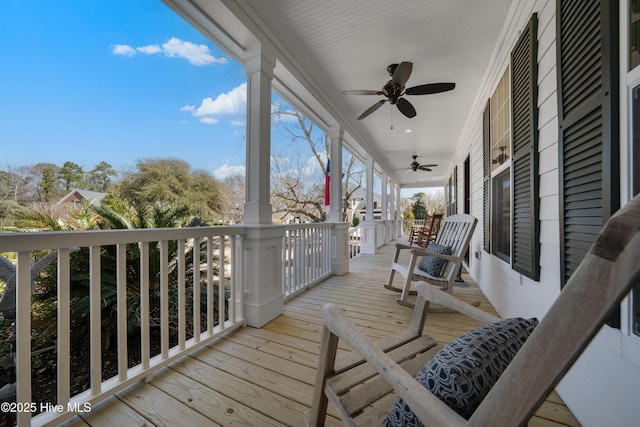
x,y
225,171
195,54
208,120
150,49
124,50
238,123
232,102
190,108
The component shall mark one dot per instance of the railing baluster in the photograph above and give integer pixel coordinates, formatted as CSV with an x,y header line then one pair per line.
x,y
210,285
95,320
234,280
221,284
196,289
284,264
121,296
164,299
23,335
64,327
182,314
145,327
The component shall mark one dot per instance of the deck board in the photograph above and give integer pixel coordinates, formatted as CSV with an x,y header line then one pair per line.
x,y
266,376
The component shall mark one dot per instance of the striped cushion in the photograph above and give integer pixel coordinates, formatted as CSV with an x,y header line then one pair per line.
x,y
463,372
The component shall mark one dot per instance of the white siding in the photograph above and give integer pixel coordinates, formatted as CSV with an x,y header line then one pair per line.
x,y
603,388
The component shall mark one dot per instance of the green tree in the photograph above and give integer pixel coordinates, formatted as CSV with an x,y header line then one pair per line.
x,y
71,176
408,213
419,207
99,178
169,183
47,185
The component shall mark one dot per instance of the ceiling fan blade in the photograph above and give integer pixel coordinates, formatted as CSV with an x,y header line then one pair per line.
x,y
402,73
361,92
430,88
406,108
428,166
424,168
371,109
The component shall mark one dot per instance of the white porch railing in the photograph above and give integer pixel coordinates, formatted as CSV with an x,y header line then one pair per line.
x,y
355,241
168,252
407,224
306,256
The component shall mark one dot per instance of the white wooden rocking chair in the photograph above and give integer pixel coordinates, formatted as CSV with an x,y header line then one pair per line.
x,y
607,273
455,233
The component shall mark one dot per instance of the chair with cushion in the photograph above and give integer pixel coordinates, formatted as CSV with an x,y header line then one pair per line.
x,y
438,263
498,374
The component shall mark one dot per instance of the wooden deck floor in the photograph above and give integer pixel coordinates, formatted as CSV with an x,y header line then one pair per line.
x,y
265,377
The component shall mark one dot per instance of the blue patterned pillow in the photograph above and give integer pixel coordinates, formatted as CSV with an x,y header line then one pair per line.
x,y
431,264
462,373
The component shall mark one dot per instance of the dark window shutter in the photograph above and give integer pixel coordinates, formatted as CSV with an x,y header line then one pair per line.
x,y
587,66
486,187
524,103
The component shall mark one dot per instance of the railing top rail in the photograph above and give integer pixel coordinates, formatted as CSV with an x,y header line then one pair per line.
x,y
305,225
17,242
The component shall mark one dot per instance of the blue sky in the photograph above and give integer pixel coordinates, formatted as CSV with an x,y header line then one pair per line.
x,y
119,81
115,80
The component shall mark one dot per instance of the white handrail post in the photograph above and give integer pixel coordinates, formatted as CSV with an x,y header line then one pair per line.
x,y
340,248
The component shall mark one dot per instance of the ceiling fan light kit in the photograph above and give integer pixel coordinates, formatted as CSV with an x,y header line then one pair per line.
x,y
394,90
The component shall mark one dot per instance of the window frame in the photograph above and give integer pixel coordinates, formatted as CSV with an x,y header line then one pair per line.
x,y
629,181
500,169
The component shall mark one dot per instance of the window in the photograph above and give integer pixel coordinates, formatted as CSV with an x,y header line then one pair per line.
x,y
634,34
501,209
635,148
500,136
452,193
510,161
501,122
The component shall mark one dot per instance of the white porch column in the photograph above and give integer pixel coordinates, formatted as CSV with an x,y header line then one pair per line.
x,y
392,211
262,272
340,231
399,210
368,243
259,67
385,186
395,211
335,189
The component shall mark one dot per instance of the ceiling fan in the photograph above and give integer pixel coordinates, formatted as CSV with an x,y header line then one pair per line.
x,y
416,166
394,90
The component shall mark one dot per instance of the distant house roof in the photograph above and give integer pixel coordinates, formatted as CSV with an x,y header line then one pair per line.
x,y
77,195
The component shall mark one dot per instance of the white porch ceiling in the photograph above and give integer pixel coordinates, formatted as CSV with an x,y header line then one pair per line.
x,y
327,46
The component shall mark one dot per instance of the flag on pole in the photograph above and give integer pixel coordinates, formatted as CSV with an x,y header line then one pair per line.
x,y
327,184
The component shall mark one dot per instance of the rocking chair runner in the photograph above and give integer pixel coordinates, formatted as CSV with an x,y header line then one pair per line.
x,y
607,273
456,233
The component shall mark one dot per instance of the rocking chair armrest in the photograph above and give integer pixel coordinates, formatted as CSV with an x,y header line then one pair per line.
x,y
436,295
403,246
428,408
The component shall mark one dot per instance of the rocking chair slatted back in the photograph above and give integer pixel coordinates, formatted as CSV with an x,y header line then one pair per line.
x,y
456,232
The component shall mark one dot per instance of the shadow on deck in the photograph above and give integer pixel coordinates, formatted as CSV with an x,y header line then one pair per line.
x,y
265,377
